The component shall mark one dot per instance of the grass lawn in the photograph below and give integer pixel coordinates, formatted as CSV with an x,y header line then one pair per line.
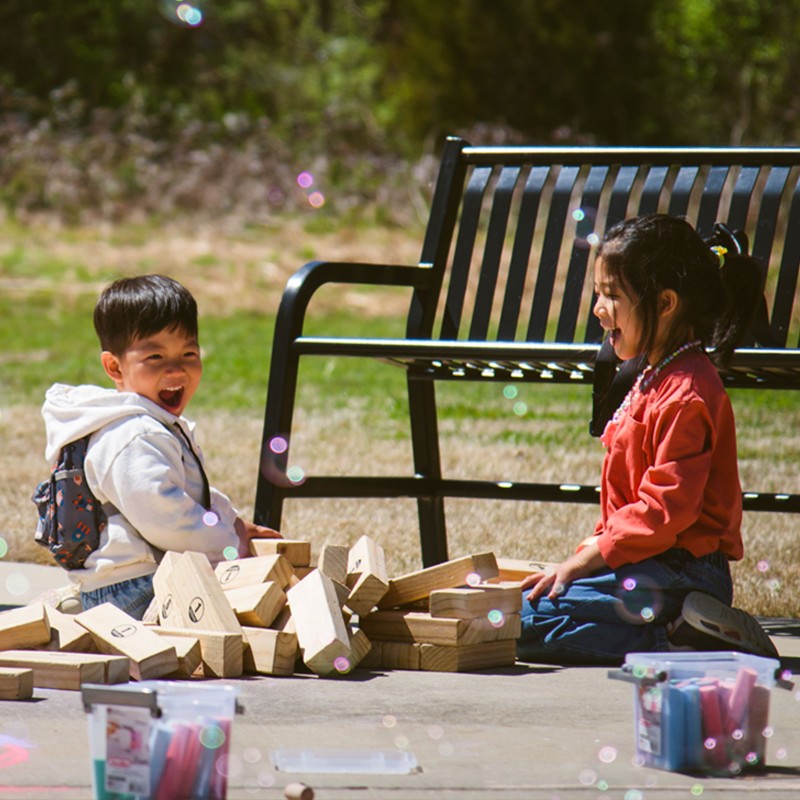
x,y
352,414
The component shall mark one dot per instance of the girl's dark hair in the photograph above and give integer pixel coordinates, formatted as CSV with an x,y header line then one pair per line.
x,y
718,293
135,308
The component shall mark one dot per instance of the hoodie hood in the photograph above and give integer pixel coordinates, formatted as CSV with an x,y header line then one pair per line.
x,y
72,412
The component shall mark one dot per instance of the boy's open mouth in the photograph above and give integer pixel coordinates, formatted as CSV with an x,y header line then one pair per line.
x,y
171,398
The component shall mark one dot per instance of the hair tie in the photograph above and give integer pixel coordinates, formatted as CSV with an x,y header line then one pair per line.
x,y
719,251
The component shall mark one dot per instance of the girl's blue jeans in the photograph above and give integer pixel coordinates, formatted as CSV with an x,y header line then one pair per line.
x,y
132,596
599,619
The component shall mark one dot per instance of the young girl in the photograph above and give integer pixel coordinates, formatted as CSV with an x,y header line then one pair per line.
x,y
655,575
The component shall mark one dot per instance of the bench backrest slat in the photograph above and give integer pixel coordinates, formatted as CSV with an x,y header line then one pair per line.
x,y
512,233
786,287
578,262
521,253
465,244
682,190
551,253
492,253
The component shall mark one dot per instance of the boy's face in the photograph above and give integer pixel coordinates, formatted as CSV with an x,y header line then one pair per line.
x,y
165,368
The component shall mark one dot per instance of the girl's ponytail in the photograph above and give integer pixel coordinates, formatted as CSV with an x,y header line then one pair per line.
x,y
743,287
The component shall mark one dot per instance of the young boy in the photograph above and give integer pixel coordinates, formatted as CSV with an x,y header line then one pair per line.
x,y
142,461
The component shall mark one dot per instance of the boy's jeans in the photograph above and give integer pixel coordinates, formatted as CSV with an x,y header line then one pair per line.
x,y
601,618
132,596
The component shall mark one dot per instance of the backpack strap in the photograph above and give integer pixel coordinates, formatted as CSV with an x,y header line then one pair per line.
x,y
188,442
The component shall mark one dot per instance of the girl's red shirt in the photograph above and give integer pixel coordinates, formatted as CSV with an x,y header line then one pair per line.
x,y
670,476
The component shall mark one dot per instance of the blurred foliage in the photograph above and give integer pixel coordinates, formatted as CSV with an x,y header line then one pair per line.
x,y
109,106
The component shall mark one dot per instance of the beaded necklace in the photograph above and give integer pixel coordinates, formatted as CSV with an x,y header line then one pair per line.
x,y
647,376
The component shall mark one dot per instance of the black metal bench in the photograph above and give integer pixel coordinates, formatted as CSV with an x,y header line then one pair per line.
x,y
503,292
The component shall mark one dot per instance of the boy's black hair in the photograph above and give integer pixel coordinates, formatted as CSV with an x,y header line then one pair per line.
x,y
135,308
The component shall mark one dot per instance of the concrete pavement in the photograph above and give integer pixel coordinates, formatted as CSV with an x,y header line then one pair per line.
x,y
531,731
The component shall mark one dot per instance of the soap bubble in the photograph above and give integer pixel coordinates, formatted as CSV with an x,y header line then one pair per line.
x,y
278,445
640,599
520,408
230,553
762,565
588,777
17,584
251,755
473,579
496,617
3,547
305,180
266,779
187,14
389,721
296,475
510,392
341,664
697,789
607,754
210,518
436,731
212,737
316,199
578,215
401,742
710,743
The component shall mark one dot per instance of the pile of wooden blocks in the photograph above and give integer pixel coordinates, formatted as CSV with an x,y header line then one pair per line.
x,y
270,614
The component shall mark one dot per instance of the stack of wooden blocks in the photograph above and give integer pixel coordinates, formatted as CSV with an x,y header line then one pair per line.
x,y
268,613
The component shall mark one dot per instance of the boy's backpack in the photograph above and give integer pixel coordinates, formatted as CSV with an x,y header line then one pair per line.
x,y
71,518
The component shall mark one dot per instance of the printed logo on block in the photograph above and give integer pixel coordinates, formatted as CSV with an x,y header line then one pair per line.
x,y
196,609
230,573
166,606
123,631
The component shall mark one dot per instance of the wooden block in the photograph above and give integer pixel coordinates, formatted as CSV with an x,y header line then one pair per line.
x,y
468,657
188,651
220,651
58,670
366,575
321,631
257,605
164,602
197,601
16,683
284,621
399,625
66,634
399,655
22,627
469,603
516,569
301,572
458,572
360,645
333,561
259,569
372,660
117,633
270,652
296,552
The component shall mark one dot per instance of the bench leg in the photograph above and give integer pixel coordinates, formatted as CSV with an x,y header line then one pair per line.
x,y
272,485
427,465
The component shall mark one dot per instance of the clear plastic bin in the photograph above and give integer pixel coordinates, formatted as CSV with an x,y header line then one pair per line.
x,y
159,739
700,711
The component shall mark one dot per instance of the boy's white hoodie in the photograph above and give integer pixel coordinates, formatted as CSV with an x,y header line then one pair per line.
x,y
140,467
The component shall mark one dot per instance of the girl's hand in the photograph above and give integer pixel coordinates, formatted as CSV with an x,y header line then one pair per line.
x,y
555,582
249,530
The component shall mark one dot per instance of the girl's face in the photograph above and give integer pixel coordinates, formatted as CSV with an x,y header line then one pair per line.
x,y
616,311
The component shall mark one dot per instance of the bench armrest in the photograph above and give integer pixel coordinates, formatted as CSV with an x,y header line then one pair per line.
x,y
301,286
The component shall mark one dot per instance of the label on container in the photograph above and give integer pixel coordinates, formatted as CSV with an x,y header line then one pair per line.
x,y
128,750
649,734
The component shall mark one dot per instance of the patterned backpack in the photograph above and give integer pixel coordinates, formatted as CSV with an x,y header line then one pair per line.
x,y
71,518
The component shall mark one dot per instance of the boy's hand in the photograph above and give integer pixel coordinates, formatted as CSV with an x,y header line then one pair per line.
x,y
249,530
